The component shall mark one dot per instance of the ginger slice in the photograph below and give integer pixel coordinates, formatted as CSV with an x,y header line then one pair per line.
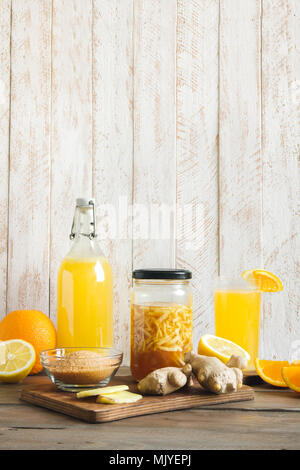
x,y
119,398
102,391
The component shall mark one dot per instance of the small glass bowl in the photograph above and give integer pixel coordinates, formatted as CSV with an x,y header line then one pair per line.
x,y
74,369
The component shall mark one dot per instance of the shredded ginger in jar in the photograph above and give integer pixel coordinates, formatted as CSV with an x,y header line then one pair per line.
x,y
160,335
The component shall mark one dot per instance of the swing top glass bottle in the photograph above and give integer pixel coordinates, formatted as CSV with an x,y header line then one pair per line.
x,y
85,287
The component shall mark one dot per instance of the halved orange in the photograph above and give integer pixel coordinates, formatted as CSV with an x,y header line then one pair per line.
x,y
270,371
264,280
291,377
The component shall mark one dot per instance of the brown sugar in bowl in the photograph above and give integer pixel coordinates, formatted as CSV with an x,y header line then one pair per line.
x,y
76,368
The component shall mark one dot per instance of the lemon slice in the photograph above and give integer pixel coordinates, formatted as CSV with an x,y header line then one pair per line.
x,y
264,280
223,349
17,358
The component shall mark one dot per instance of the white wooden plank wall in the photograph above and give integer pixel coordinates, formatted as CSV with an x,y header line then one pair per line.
x,y
197,151
5,33
113,147
281,185
154,116
240,173
167,104
71,123
29,176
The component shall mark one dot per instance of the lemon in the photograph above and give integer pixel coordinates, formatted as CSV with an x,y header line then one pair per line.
x,y
223,349
264,280
17,358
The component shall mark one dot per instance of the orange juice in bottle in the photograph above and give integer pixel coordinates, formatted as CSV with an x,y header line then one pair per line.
x,y
85,287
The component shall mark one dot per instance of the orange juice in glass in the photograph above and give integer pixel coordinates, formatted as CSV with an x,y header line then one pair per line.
x,y
237,314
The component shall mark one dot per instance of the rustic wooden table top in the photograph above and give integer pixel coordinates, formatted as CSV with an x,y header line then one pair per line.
x,y
270,421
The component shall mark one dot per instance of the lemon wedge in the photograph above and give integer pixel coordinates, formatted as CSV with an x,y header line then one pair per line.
x,y
223,349
17,358
264,280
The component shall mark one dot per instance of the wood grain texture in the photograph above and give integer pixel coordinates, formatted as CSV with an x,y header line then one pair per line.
x,y
71,117
5,34
270,421
197,152
280,147
154,132
88,410
240,196
113,149
28,254
29,427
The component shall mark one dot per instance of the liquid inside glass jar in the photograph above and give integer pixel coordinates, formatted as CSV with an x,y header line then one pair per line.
x,y
161,323
161,334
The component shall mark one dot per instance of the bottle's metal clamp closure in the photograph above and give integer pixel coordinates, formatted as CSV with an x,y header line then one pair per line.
x,y
90,235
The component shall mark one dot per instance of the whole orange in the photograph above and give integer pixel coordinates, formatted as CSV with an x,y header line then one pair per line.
x,y
32,326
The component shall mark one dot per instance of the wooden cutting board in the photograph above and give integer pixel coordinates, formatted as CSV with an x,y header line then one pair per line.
x,y
251,377
86,409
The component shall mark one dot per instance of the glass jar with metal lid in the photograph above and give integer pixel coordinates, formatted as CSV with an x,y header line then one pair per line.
x,y
161,319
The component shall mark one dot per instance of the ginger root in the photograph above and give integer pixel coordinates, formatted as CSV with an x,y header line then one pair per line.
x,y
213,374
166,380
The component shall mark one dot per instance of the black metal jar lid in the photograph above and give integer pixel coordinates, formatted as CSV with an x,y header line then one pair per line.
x,y
161,274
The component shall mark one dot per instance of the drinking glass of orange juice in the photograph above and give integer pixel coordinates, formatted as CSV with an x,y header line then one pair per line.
x,y
237,314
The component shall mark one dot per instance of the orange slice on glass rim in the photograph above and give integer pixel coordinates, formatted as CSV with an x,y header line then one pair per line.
x,y
264,280
291,377
270,371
